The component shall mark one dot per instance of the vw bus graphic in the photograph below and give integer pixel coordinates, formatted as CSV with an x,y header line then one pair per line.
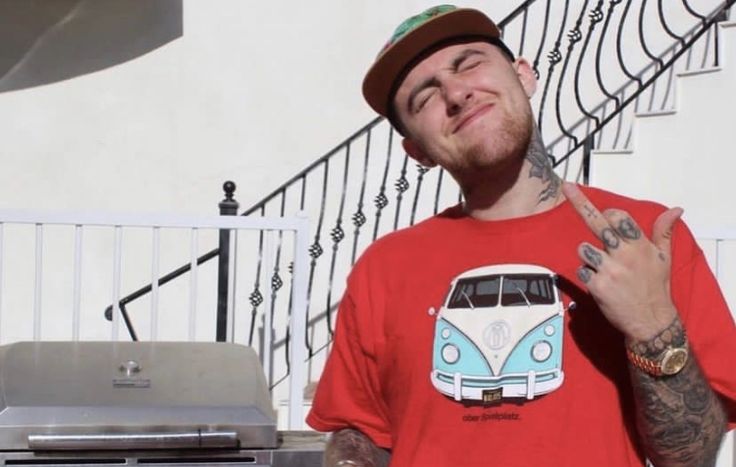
x,y
499,334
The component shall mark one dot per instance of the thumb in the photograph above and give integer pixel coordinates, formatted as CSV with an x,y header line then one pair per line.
x,y
662,231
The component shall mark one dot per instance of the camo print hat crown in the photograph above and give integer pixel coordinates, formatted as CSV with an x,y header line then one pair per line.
x,y
417,35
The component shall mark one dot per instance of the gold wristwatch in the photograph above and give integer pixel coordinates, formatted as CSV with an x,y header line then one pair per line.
x,y
669,362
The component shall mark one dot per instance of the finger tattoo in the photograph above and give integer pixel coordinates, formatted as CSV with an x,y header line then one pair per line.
x,y
584,274
593,257
628,229
609,237
591,212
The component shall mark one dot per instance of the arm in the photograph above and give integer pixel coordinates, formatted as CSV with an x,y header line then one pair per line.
x,y
680,419
354,448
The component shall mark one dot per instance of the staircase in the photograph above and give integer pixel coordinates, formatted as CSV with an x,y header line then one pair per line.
x,y
696,136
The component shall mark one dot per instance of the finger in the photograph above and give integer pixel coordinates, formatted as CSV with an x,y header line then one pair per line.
x,y
585,274
591,256
591,215
624,225
662,231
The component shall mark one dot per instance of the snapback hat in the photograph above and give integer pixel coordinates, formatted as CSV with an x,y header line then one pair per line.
x,y
416,35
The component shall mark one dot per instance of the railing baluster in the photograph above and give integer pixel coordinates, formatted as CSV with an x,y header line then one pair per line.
x,y
256,298
706,46
2,262
77,285
596,16
574,36
598,74
337,234
522,41
231,286
665,26
642,40
227,207
316,250
116,273
267,357
535,64
155,273
381,200
668,89
298,326
193,282
554,57
619,45
37,291
436,207
359,217
277,282
401,185
421,170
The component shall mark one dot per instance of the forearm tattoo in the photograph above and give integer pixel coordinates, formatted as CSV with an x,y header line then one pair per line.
x,y
680,419
354,446
542,167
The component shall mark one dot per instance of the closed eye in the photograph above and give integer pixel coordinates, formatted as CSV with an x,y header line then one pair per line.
x,y
468,65
423,99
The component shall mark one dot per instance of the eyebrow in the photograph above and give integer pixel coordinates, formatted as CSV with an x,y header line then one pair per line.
x,y
432,81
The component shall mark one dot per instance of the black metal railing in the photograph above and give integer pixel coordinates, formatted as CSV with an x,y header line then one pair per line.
x,y
605,63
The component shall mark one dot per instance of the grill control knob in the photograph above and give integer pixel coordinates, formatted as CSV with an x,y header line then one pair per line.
x,y
130,367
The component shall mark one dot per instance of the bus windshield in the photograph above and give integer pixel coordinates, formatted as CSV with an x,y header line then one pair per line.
x,y
527,289
509,289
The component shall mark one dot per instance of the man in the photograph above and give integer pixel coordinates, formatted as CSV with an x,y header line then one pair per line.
x,y
457,341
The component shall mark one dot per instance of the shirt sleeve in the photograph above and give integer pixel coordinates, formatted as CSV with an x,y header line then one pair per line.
x,y
707,320
348,393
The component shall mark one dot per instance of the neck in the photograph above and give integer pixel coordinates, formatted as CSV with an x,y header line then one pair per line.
x,y
525,187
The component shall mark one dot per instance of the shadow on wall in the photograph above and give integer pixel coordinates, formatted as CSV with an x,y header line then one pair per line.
x,y
43,41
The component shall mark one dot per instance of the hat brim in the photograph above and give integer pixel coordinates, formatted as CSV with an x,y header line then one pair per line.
x,y
379,81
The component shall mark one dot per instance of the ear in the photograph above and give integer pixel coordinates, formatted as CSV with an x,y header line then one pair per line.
x,y
416,153
526,75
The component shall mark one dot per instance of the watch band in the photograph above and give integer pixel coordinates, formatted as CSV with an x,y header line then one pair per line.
x,y
648,366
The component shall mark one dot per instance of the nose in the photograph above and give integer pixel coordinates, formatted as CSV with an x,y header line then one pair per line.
x,y
457,94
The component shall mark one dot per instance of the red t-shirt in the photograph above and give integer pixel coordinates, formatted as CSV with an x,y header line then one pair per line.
x,y
381,376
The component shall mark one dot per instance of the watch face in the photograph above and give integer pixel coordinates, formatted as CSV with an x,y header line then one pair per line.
x,y
674,360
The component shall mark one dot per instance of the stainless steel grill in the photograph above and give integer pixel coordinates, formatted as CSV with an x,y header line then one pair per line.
x,y
138,403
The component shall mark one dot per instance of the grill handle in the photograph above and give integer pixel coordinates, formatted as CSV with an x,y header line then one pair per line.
x,y
105,441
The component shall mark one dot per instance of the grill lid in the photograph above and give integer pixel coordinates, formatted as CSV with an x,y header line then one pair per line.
x,y
129,395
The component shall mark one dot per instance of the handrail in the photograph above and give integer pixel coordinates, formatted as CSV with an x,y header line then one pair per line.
x,y
145,290
335,190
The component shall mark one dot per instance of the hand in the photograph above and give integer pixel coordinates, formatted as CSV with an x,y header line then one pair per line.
x,y
629,277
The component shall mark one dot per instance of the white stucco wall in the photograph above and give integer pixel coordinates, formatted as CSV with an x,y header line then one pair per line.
x,y
252,91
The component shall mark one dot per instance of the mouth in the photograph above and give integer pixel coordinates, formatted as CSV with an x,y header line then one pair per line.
x,y
472,116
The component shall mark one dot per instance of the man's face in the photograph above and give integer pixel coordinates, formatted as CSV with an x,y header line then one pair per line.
x,y
466,108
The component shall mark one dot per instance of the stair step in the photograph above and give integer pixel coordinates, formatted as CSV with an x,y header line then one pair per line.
x,y
624,152
701,71
655,113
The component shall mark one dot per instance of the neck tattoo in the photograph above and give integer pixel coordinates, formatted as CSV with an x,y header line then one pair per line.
x,y
542,169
